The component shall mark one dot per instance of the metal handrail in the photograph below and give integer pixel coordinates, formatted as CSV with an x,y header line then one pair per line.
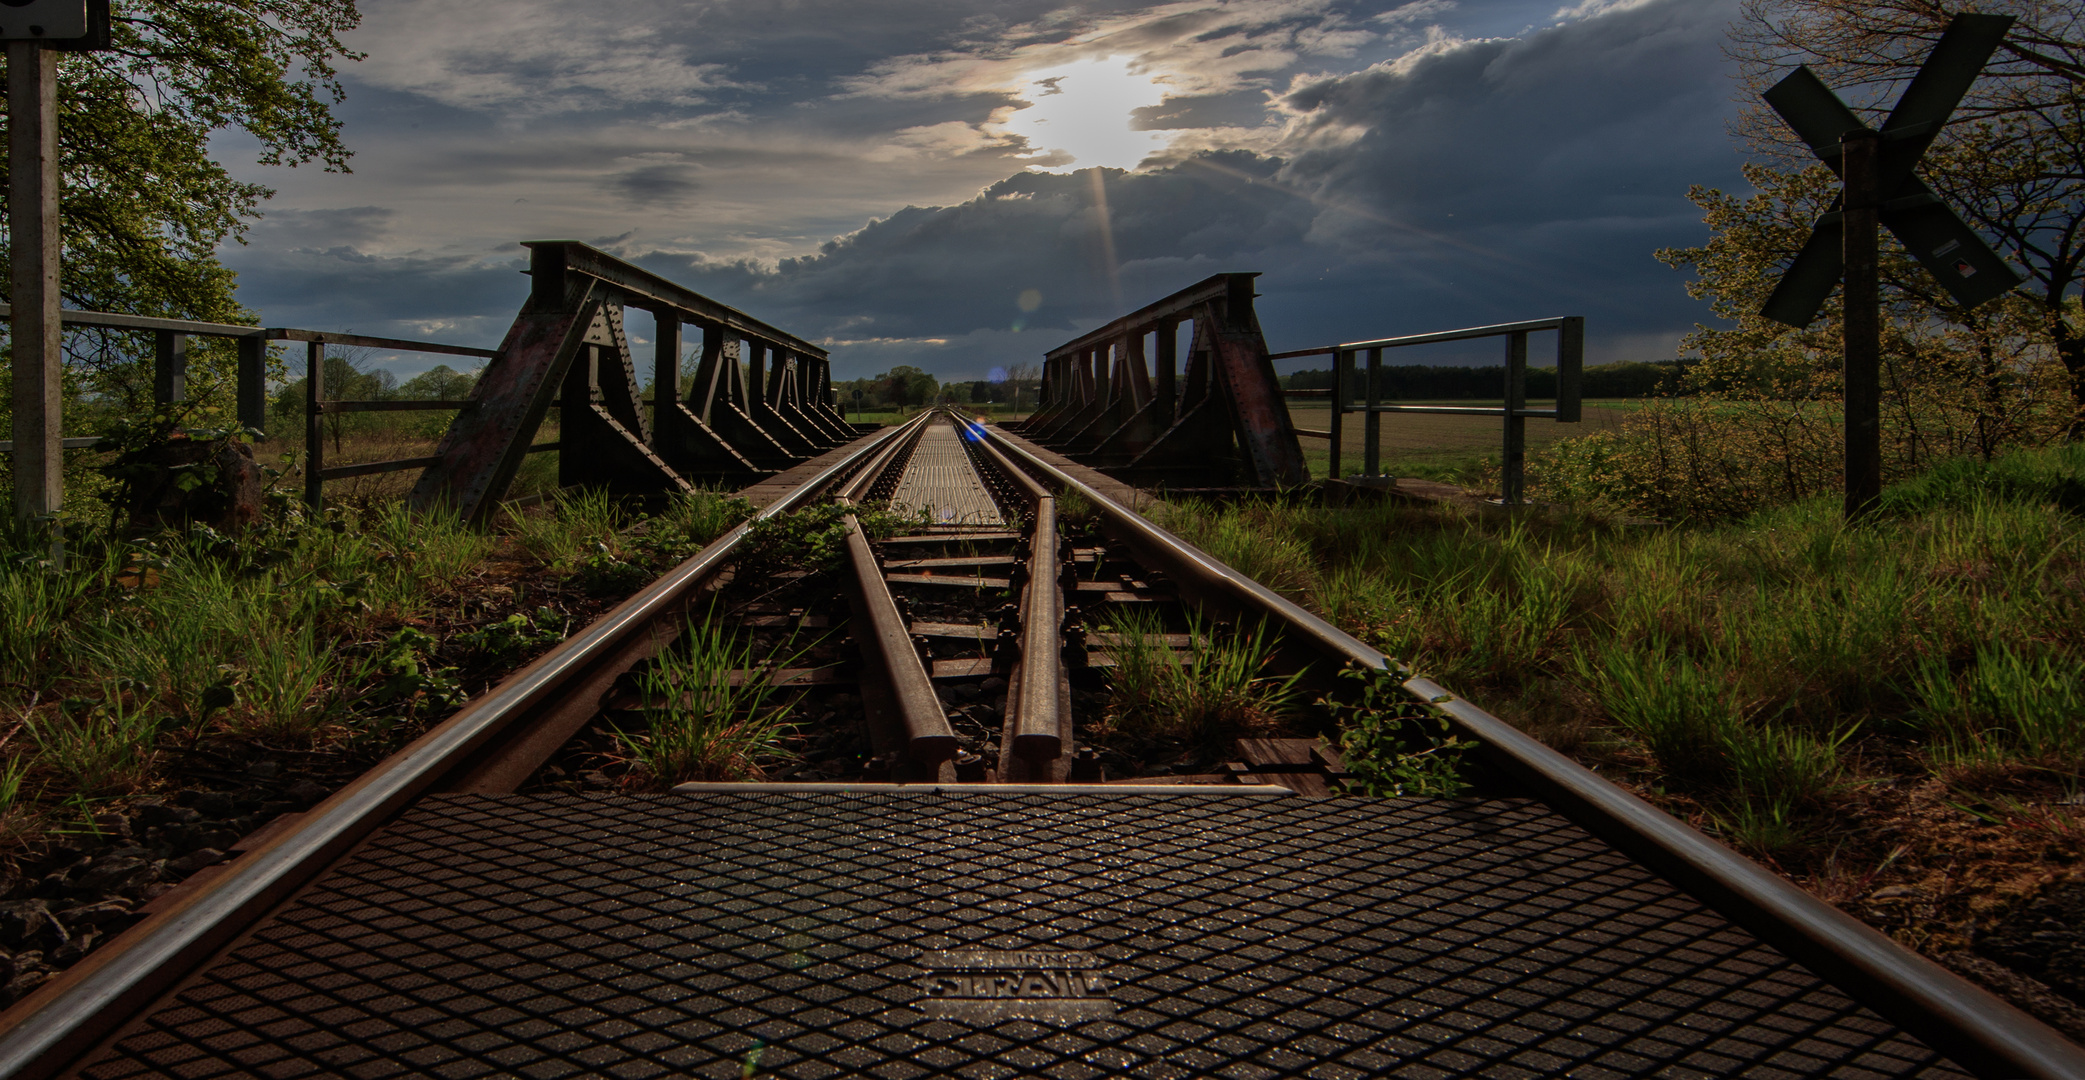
x,y
110,320
1957,1017
42,1042
1513,413
655,292
1159,311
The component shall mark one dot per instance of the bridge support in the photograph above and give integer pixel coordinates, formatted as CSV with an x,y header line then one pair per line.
x,y
1227,426
568,345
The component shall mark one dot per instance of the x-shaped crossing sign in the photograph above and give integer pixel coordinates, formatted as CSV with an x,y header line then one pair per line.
x,y
1955,255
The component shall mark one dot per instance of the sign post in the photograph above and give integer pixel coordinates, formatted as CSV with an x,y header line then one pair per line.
x,y
1881,190
35,32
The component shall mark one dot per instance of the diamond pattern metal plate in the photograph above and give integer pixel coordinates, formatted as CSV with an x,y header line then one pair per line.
x,y
808,936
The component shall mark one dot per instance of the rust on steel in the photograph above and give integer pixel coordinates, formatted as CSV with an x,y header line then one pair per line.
x,y
881,631
569,344
1110,402
1037,690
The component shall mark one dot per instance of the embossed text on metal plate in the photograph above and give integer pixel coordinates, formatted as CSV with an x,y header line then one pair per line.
x,y
1009,984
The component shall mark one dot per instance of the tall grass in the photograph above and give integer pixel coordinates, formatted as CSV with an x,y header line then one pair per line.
x,y
2009,704
98,747
303,631
691,520
1758,668
713,712
1218,687
574,525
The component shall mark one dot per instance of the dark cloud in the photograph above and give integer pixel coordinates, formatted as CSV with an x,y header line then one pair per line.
x,y
1484,182
1469,182
949,271
1611,117
664,186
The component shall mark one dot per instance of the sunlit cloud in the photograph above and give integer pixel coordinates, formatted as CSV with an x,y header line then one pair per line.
x,y
1078,116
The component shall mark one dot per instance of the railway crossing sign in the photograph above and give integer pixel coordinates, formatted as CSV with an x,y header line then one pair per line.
x,y
1880,190
1949,249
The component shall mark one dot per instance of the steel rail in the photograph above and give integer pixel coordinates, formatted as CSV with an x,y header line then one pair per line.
x,y
887,640
1960,1019
71,1017
1037,725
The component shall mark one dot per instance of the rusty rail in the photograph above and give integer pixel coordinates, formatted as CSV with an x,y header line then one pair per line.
x,y
929,740
1035,693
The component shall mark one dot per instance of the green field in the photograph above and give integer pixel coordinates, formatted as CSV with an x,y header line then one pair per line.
x,y
1436,446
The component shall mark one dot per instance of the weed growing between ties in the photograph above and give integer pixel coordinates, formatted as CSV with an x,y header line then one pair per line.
x,y
1218,688
712,712
1896,706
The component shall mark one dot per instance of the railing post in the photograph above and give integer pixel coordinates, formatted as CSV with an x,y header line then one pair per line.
x,y
1342,364
1570,369
169,366
1514,461
314,424
666,369
1162,390
253,382
1372,424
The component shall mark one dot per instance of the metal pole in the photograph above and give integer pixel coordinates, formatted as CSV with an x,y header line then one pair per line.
x,y
1167,358
314,424
666,369
1372,422
1514,464
253,383
1862,324
1342,363
32,221
169,366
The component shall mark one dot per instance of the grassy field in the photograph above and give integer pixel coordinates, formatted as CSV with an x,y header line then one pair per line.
x,y
1892,714
1447,448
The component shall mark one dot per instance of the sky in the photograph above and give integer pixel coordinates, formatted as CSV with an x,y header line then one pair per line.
x,y
961,185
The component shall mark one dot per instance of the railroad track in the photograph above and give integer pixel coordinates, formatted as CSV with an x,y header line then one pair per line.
x,y
956,875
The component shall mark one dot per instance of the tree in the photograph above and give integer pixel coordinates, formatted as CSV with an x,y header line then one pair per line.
x,y
2012,160
144,207
1018,378
908,385
440,383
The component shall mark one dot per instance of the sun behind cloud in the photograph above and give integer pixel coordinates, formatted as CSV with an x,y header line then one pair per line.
x,y
1078,115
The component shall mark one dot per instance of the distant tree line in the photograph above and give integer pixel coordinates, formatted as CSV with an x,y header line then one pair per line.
x,y
1424,382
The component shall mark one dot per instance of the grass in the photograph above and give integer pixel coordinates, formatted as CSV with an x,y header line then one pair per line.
x,y
1218,688
1445,448
1760,676
713,712
339,632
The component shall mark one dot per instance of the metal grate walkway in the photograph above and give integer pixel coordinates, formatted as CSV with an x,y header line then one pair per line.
x,y
931,932
940,480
